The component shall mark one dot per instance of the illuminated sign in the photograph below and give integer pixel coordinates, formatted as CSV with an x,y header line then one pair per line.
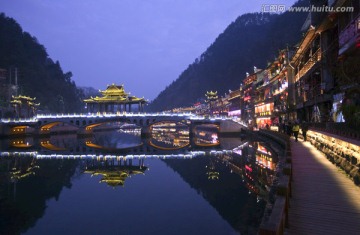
x,y
234,113
248,168
247,98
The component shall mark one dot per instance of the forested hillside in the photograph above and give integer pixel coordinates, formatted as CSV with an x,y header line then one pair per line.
x,y
252,40
38,75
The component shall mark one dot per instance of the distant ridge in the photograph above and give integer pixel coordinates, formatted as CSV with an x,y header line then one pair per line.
x,y
252,40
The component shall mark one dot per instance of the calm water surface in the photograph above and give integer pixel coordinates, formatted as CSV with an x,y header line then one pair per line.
x,y
110,185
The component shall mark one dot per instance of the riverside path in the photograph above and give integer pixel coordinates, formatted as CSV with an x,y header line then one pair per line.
x,y
324,200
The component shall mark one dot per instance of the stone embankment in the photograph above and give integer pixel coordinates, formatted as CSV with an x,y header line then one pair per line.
x,y
320,195
276,214
343,152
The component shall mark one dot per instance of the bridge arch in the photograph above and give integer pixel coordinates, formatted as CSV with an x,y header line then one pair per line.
x,y
168,135
21,130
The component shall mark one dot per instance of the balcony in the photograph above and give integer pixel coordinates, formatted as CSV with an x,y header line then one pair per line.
x,y
309,64
349,36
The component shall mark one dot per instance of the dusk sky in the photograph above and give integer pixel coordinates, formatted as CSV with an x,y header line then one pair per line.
x,y
143,44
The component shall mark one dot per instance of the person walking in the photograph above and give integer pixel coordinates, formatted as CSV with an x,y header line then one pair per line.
x,y
288,128
304,129
295,130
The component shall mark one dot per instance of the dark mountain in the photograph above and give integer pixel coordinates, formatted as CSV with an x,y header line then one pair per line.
x,y
38,75
89,91
252,40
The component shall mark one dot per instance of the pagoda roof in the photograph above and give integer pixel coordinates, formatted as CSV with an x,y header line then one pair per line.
x,y
114,99
114,90
211,95
114,94
24,99
211,92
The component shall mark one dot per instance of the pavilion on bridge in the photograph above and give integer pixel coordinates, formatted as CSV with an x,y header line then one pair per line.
x,y
114,99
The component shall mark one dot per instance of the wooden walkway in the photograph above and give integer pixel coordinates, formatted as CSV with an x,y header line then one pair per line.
x,y
324,200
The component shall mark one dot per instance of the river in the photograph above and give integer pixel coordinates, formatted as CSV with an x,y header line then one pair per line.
x,y
114,182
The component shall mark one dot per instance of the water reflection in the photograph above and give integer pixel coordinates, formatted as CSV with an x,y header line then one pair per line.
x,y
25,185
235,182
114,172
217,177
114,140
207,135
169,135
25,142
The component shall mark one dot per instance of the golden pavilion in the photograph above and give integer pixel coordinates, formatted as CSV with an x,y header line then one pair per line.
x,y
24,106
115,175
211,96
114,99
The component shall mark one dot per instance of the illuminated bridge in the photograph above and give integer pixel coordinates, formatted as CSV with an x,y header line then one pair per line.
x,y
84,123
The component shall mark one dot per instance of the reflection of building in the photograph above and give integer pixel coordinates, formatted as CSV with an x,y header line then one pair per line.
x,y
114,173
207,135
266,164
170,135
114,99
23,168
264,158
15,169
256,166
211,171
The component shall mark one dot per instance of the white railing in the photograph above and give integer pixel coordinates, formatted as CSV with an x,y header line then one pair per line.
x,y
189,116
190,154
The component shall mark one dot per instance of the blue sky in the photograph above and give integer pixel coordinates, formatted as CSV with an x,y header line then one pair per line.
x,y
143,44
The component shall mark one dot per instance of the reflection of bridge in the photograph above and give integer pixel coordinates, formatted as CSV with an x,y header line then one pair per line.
x,y
107,143
85,147
189,154
85,123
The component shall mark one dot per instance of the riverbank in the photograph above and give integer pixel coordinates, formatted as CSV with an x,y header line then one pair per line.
x,y
320,195
324,199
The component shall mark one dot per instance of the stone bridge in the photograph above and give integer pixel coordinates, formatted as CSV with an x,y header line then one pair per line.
x,y
85,123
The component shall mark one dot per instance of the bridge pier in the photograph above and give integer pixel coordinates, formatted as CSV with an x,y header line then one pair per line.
x,y
4,130
145,132
192,136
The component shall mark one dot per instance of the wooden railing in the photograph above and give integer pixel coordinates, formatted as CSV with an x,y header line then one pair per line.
x,y
309,64
337,128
